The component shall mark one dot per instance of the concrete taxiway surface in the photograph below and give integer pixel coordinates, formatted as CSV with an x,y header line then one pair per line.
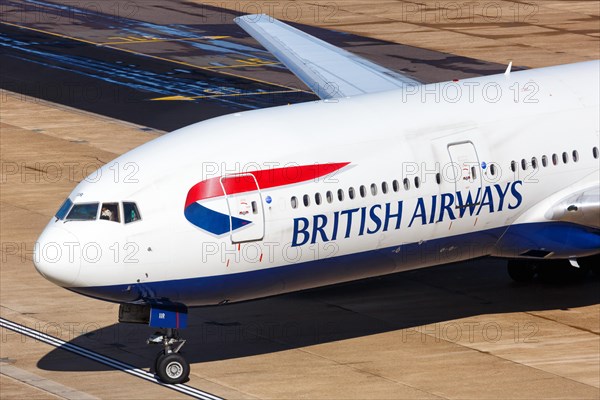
x,y
457,331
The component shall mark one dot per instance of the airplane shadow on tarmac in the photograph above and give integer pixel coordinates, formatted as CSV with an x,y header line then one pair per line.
x,y
391,303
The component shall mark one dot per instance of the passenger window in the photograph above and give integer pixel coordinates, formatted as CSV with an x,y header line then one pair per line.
x,y
340,195
294,202
306,200
595,152
554,159
575,155
83,212
513,166
373,189
130,212
523,164
395,185
565,157
318,199
254,207
406,184
544,161
64,209
417,182
363,191
534,163
110,212
351,193
329,196
492,169
384,187
438,178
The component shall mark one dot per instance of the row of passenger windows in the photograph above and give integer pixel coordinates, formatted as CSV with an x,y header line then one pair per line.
x,y
565,157
374,189
363,191
92,211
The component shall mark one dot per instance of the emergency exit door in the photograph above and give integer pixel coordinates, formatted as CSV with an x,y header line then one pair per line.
x,y
246,214
466,169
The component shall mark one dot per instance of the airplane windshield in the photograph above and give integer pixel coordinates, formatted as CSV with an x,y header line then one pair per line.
x,y
89,212
83,212
64,209
130,212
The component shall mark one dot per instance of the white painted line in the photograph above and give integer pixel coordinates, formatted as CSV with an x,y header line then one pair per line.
x,y
111,362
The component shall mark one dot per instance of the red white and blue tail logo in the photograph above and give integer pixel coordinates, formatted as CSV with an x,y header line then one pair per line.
x,y
219,223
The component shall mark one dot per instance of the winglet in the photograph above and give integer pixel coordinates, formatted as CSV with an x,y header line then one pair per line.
x,y
508,69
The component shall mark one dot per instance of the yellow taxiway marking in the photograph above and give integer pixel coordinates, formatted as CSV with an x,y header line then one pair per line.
x,y
251,61
189,98
248,62
120,38
127,40
242,65
155,57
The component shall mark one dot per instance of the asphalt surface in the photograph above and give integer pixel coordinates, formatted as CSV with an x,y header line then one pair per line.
x,y
123,64
123,85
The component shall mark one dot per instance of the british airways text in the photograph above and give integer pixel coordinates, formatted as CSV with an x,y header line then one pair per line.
x,y
390,216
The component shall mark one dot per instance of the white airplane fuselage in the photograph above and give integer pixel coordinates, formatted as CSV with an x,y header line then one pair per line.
x,y
435,163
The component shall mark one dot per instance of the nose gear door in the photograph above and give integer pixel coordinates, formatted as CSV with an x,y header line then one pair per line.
x,y
246,213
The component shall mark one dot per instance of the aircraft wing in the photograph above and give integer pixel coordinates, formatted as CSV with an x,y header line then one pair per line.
x,y
329,71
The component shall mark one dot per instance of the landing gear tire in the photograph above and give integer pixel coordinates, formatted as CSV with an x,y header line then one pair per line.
x,y
172,368
169,364
159,356
521,271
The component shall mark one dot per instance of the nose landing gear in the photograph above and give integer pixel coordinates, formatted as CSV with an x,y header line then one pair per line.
x,y
170,365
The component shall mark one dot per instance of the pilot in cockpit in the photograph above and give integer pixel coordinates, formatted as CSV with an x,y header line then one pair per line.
x,y
106,214
109,212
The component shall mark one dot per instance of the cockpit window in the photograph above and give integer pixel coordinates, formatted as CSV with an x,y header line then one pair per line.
x,y
64,209
110,212
83,212
130,212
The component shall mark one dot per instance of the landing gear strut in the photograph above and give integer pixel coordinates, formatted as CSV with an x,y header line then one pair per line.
x,y
170,365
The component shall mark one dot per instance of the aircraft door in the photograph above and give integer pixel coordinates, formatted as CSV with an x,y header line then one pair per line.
x,y
466,169
246,213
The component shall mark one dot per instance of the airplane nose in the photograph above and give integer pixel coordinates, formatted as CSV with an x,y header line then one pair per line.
x,y
57,256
